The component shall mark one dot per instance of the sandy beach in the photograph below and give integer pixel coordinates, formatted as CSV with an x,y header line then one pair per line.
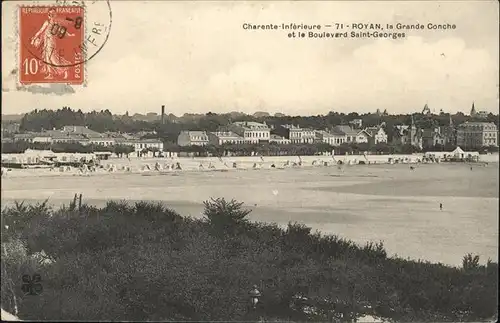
x,y
361,202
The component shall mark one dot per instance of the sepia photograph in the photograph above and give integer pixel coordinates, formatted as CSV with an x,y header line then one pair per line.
x,y
250,161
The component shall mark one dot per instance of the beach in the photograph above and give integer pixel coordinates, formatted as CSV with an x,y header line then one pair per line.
x,y
375,202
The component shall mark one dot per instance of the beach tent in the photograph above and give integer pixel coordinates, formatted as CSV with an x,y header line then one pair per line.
x,y
458,152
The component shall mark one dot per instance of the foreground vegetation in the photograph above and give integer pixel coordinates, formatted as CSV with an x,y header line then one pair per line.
x,y
146,262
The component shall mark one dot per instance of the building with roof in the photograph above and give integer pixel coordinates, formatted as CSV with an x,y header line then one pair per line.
x,y
356,123
408,135
401,135
82,130
478,114
376,134
58,136
279,140
433,137
349,132
326,137
224,137
252,132
362,137
295,134
10,128
192,138
474,135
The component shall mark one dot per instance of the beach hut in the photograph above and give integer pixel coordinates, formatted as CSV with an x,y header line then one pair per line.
x,y
470,156
458,153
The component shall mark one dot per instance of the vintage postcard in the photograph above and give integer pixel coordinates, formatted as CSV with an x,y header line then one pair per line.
x,y
250,161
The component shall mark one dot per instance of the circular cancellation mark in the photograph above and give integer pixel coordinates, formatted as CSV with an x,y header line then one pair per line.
x,y
67,33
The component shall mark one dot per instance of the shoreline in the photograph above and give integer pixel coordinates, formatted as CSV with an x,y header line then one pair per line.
x,y
145,167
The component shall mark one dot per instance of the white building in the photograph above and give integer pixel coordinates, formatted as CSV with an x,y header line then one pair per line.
x,y
377,135
252,132
362,137
279,140
348,131
325,137
192,138
308,136
339,137
100,141
224,137
477,134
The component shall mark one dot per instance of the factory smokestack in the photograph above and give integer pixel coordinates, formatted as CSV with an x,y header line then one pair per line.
x,y
162,114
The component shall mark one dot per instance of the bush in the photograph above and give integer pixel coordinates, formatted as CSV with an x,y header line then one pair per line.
x,y
225,216
146,262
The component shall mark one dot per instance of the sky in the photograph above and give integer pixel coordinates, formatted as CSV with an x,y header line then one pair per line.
x,y
195,57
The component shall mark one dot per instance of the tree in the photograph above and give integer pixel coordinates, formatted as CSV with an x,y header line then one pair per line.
x,y
225,216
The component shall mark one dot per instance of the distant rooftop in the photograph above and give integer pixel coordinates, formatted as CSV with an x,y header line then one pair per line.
x,y
251,125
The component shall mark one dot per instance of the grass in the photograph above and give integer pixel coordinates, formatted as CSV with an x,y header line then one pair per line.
x,y
144,261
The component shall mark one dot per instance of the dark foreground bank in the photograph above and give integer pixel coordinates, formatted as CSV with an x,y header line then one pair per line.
x,y
146,262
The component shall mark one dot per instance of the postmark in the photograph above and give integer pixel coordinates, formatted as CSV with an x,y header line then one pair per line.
x,y
56,41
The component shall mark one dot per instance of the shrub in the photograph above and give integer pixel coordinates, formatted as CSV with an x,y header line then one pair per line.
x,y
470,262
146,262
225,216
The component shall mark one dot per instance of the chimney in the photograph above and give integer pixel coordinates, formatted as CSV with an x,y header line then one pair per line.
x,y
162,114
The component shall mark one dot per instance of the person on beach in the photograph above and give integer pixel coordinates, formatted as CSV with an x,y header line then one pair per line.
x,y
441,206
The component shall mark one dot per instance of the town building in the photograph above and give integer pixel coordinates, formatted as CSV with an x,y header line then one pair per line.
x,y
32,137
339,137
474,135
296,134
325,137
192,138
433,137
376,134
279,140
252,132
478,114
349,132
81,130
224,137
401,135
58,136
140,145
356,123
416,135
10,128
362,137
308,136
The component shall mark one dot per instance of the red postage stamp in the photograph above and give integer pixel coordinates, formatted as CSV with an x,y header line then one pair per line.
x,y
51,39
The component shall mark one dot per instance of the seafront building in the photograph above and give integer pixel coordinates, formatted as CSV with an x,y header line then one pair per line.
x,y
224,137
350,133
252,132
295,134
279,140
376,134
474,135
192,138
84,136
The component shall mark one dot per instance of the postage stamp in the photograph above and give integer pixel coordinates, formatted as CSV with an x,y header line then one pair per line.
x,y
56,40
51,39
